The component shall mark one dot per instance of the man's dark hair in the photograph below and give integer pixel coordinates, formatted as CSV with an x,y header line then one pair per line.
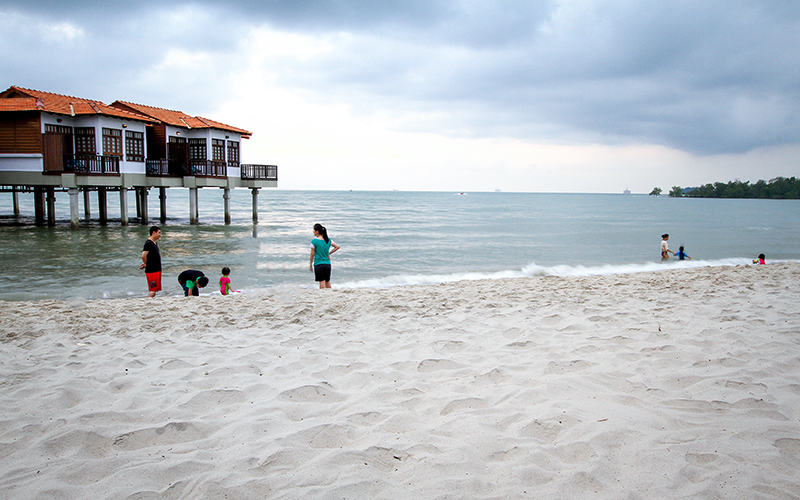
x,y
153,229
202,281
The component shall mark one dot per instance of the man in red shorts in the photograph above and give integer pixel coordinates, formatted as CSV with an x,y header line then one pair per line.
x,y
151,261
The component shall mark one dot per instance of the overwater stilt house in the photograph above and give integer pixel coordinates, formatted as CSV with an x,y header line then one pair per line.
x,y
51,142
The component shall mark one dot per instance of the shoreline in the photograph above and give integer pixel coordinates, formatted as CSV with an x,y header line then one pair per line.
x,y
530,271
680,383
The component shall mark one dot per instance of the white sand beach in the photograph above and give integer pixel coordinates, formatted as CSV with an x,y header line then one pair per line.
x,y
674,384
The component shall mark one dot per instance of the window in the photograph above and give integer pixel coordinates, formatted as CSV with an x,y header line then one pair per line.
x,y
57,129
134,146
112,141
218,149
84,141
198,150
233,154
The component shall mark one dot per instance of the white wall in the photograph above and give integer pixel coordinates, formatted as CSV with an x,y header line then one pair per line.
x,y
98,122
208,135
16,162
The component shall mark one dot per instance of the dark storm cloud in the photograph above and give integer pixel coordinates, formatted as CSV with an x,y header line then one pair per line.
x,y
318,14
706,77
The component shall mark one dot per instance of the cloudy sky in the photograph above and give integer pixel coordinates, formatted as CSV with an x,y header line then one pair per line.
x,y
469,95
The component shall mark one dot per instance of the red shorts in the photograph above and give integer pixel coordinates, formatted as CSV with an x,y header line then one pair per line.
x,y
154,281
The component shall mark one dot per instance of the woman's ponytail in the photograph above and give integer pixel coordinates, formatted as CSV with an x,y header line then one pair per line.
x,y
321,230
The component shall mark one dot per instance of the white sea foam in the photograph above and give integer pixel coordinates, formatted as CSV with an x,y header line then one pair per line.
x,y
534,269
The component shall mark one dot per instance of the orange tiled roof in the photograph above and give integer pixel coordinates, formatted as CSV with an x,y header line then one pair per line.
x,y
19,104
179,118
35,100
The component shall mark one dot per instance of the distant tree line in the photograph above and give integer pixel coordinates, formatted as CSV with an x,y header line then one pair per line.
x,y
779,188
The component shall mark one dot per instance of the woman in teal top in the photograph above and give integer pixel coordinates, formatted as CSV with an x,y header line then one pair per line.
x,y
321,250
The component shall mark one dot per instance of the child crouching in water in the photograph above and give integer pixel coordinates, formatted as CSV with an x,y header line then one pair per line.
x,y
225,283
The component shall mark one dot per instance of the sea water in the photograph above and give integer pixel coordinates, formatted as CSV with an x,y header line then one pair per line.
x,y
386,239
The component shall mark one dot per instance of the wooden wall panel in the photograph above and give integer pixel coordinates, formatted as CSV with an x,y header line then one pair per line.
x,y
8,135
53,152
20,133
157,143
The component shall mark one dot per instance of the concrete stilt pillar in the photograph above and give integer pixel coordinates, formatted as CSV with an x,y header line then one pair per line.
x,y
143,203
162,198
255,205
102,205
51,206
138,197
123,205
226,201
74,213
87,205
193,211
15,201
38,205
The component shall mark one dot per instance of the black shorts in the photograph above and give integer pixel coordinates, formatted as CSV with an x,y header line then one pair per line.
x,y
322,272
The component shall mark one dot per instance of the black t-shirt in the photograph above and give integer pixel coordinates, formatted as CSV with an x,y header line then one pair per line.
x,y
153,257
189,275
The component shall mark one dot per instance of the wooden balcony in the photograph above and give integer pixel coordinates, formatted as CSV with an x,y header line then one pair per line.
x,y
209,168
198,168
91,164
259,172
158,168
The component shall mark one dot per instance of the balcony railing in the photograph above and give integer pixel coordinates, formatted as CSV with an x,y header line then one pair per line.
x,y
201,168
157,167
209,168
260,172
91,164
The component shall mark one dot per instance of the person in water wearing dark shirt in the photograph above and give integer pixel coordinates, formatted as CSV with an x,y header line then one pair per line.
x,y
151,261
681,255
192,281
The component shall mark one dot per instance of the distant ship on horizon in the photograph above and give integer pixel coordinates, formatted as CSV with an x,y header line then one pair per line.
x,y
627,191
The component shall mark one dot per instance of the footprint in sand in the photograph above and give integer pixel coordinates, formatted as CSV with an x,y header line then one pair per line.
x,y
365,419
325,436
172,433
463,404
79,444
701,459
449,346
283,461
543,432
207,400
432,365
789,447
575,365
311,394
